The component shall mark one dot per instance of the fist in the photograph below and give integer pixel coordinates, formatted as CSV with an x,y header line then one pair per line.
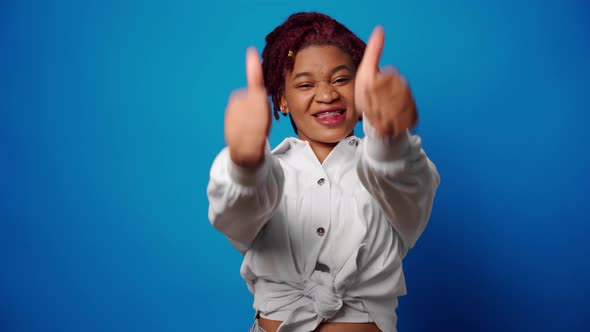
x,y
383,96
247,117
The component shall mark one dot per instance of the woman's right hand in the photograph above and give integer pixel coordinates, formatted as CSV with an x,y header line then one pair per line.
x,y
248,118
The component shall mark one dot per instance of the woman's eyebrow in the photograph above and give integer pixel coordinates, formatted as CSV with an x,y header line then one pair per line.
x,y
334,70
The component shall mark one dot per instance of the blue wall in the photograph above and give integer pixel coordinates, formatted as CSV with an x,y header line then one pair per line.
x,y
111,114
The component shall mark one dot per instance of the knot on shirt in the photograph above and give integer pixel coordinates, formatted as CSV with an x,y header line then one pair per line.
x,y
320,288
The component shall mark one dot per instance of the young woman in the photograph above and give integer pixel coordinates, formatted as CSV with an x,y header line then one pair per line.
x,y
325,219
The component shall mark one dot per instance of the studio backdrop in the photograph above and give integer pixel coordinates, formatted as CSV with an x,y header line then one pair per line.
x,y
111,113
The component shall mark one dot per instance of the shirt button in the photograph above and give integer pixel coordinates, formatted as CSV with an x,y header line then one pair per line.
x,y
321,231
321,181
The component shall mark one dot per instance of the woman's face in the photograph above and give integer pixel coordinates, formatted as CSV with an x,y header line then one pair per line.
x,y
319,94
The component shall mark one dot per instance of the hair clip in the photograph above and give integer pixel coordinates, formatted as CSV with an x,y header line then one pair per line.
x,y
290,54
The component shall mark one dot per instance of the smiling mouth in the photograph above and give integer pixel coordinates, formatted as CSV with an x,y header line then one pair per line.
x,y
329,113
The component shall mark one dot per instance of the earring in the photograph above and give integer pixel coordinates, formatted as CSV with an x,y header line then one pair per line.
x,y
284,110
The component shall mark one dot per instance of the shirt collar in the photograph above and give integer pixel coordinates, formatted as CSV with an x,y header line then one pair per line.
x,y
342,153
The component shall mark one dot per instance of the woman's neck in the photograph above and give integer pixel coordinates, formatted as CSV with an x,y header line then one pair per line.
x,y
321,150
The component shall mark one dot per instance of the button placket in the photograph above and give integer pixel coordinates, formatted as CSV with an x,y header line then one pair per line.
x,y
319,224
321,231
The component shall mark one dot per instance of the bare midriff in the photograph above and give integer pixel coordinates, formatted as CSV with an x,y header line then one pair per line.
x,y
272,326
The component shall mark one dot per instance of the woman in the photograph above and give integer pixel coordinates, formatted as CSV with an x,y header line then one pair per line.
x,y
325,219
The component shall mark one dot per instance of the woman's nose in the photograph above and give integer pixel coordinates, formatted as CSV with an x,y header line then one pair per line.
x,y
326,93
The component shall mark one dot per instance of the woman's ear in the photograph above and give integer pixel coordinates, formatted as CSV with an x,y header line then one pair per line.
x,y
283,106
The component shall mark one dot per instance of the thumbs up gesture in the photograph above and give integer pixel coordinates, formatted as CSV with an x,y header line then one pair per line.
x,y
383,96
248,118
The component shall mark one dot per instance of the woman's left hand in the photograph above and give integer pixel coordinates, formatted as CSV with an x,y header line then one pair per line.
x,y
383,96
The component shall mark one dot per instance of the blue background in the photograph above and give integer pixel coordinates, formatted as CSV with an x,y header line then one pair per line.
x,y
112,112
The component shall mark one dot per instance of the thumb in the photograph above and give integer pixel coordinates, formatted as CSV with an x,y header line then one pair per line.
x,y
254,70
370,62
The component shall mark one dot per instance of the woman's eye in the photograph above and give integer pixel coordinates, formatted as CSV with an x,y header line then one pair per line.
x,y
341,80
304,85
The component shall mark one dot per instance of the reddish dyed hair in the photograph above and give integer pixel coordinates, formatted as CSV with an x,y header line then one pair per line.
x,y
299,31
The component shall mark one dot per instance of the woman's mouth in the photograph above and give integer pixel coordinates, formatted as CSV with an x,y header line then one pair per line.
x,y
330,117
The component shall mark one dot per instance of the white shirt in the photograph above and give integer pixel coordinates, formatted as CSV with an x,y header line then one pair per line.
x,y
326,241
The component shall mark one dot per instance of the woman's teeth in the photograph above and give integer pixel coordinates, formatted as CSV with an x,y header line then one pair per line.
x,y
327,114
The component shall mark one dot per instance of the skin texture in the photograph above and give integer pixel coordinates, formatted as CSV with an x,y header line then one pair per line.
x,y
322,78
383,97
273,325
247,117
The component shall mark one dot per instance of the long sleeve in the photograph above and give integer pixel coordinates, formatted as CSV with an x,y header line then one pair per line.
x,y
242,200
399,175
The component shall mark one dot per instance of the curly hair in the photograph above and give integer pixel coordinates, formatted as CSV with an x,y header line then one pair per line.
x,y
299,31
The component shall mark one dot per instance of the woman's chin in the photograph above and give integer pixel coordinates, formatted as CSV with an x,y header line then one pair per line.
x,y
333,138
